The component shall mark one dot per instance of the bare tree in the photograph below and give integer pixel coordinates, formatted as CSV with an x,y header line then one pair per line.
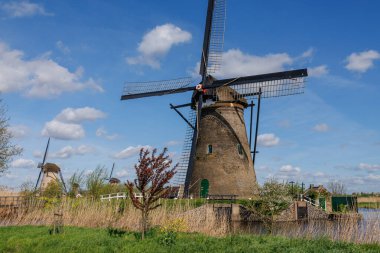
x,y
153,173
336,188
7,149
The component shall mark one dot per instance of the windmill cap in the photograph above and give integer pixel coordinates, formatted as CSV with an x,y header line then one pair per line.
x,y
51,167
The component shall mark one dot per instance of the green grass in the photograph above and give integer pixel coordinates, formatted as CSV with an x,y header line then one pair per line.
x,y
73,239
370,205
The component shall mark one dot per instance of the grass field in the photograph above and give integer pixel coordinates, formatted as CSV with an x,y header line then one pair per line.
x,y
73,239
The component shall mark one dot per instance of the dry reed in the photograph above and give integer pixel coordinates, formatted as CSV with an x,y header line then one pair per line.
x,y
93,213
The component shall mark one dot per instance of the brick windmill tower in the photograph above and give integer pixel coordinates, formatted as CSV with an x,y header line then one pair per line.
x,y
217,156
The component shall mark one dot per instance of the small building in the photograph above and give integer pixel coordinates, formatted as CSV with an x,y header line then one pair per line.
x,y
320,196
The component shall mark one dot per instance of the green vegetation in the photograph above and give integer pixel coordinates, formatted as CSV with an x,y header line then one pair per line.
x,y
369,205
73,239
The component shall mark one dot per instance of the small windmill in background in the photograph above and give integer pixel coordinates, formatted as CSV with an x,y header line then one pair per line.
x,y
113,180
50,172
217,156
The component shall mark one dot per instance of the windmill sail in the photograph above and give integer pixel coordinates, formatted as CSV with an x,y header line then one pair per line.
x,y
183,165
134,90
41,165
272,85
217,37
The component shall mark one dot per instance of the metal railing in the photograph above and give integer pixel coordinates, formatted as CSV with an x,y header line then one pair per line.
x,y
310,201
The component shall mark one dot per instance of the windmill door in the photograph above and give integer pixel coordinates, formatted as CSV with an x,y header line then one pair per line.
x,y
204,188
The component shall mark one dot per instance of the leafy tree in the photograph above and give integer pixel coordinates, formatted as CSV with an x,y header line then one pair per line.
x,y
53,190
7,149
95,181
75,182
153,173
274,197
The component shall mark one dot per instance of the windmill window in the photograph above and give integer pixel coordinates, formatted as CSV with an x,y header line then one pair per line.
x,y
209,149
240,149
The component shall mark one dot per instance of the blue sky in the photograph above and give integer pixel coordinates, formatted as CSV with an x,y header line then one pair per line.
x,y
63,65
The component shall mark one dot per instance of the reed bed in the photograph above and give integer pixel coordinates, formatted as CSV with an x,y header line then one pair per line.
x,y
86,212
117,214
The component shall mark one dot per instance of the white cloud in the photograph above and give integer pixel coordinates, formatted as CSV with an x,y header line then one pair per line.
x,y
369,167
37,154
157,43
172,143
23,9
130,151
318,71
284,123
41,77
323,127
320,174
102,132
290,169
373,177
308,53
62,47
361,62
78,115
18,131
63,131
23,163
235,63
65,125
268,140
69,151
122,173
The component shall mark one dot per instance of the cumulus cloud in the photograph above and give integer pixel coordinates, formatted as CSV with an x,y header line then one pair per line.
x,y
290,169
318,71
373,177
78,115
172,143
122,173
361,62
19,9
369,167
308,53
63,131
66,125
157,43
23,164
69,151
102,132
62,47
130,151
18,131
268,140
237,63
41,77
323,127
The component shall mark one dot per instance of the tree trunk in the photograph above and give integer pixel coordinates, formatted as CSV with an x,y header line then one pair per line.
x,y
143,224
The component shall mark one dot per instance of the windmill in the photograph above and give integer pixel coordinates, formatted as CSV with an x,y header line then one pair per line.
x,y
50,172
113,180
217,157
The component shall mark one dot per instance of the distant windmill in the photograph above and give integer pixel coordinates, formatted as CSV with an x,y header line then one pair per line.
x,y
50,172
113,180
217,154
